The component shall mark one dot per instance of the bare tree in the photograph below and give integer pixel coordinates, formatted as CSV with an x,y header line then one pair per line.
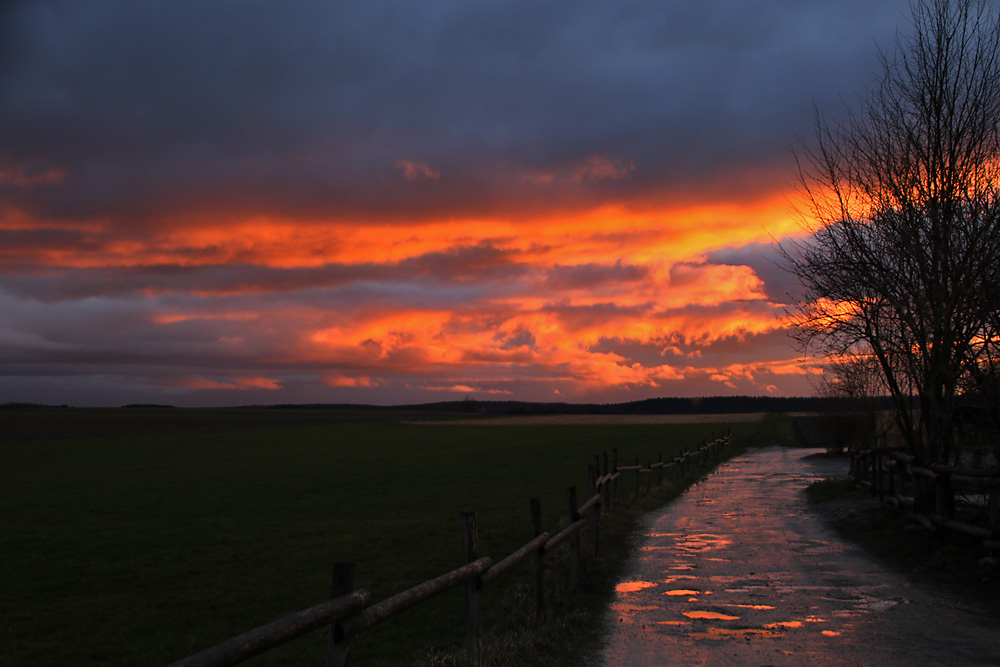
x,y
904,216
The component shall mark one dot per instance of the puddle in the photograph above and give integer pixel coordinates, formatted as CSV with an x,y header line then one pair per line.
x,y
751,606
684,591
700,543
633,586
710,616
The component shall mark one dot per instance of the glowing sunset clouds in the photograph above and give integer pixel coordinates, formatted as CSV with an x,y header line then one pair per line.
x,y
252,204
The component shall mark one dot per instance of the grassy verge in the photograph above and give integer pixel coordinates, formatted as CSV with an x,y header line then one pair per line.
x,y
142,536
957,565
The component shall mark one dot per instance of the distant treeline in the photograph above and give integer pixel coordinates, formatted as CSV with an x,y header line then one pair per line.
x,y
650,406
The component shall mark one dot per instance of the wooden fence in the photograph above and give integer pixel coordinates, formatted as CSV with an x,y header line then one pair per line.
x,y
961,500
351,611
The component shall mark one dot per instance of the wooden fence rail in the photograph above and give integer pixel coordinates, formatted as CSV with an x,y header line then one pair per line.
x,y
932,493
351,612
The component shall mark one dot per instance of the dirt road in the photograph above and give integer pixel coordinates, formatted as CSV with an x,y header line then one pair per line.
x,y
739,571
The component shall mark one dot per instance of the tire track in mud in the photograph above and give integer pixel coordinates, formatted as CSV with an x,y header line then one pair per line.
x,y
738,571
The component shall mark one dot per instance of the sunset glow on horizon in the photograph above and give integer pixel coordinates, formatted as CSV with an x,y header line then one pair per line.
x,y
310,215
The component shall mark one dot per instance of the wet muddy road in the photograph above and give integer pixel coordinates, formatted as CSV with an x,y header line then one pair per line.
x,y
737,571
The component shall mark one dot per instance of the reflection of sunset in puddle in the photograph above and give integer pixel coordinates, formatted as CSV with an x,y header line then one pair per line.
x,y
831,633
702,542
752,606
673,623
684,591
710,616
796,624
633,586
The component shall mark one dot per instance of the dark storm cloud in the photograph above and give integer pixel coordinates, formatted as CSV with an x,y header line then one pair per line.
x,y
306,107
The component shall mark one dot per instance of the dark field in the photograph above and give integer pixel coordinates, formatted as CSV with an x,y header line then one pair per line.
x,y
142,535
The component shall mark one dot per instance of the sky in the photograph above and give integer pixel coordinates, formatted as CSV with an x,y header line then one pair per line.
x,y
243,202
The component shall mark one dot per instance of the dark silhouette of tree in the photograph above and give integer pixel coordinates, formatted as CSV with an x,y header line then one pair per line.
x,y
852,415
903,258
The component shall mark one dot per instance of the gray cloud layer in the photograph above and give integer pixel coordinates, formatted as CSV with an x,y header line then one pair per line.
x,y
123,122
305,107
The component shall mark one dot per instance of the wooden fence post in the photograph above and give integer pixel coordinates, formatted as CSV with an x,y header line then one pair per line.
x,y
636,495
537,562
614,469
945,496
473,597
994,505
338,651
606,487
574,543
890,468
880,473
659,476
592,486
919,496
649,476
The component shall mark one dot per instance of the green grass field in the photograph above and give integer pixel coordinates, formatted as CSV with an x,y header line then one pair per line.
x,y
142,536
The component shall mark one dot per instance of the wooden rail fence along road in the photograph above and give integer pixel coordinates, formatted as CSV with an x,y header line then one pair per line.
x,y
936,495
351,611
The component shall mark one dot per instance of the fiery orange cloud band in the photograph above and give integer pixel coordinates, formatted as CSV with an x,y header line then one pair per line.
x,y
553,299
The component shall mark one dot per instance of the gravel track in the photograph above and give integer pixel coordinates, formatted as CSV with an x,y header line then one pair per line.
x,y
740,571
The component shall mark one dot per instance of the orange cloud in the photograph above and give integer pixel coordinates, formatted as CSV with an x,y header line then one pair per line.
x,y
577,301
418,171
346,381
238,383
